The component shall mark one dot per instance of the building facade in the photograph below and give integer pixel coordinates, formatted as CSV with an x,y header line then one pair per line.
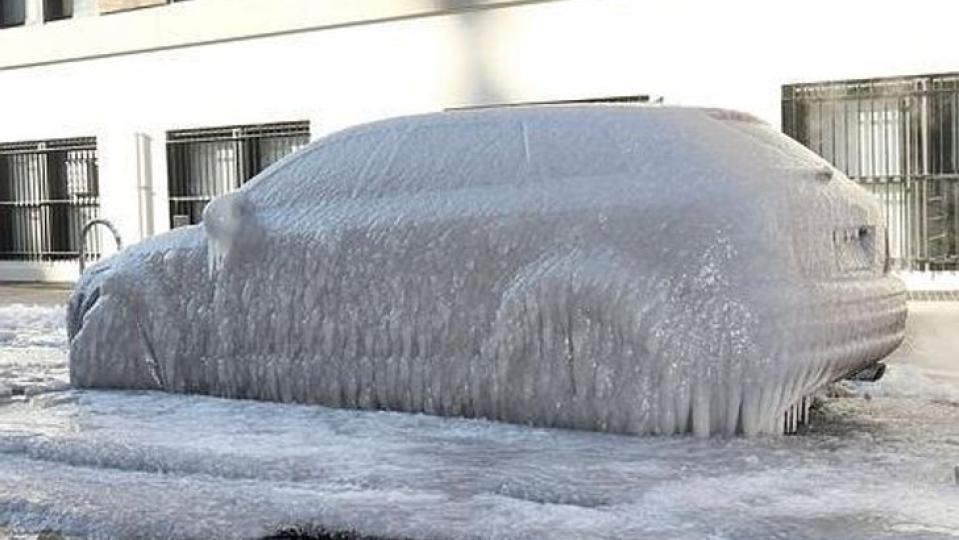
x,y
140,111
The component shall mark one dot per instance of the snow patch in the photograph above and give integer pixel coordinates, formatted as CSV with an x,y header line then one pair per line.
x,y
906,381
31,326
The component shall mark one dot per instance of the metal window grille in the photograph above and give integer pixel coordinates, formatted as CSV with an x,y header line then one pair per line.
x,y
899,138
48,190
205,163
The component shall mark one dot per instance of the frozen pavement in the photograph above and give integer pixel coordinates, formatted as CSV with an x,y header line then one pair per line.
x,y
42,294
32,349
879,463
932,341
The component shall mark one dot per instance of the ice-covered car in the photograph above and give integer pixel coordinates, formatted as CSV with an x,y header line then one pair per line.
x,y
618,268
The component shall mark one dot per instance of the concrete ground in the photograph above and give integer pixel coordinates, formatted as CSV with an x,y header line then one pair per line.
x,y
43,294
932,340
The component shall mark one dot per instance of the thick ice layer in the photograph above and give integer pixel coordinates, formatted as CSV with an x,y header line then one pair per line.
x,y
179,466
627,269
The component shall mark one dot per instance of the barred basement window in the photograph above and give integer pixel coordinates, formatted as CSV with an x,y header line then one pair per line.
x,y
203,163
48,191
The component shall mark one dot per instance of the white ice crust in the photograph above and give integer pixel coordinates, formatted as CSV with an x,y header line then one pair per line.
x,y
132,464
626,269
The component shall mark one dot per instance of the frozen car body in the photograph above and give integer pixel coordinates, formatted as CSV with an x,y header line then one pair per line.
x,y
635,270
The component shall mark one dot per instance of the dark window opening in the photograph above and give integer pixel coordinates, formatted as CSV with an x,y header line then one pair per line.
x,y
12,13
55,10
48,191
207,162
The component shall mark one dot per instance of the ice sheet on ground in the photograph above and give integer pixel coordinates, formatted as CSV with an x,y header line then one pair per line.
x,y
933,344
32,350
154,464
32,326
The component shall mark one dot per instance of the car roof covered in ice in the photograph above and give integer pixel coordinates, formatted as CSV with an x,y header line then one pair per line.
x,y
510,145
559,113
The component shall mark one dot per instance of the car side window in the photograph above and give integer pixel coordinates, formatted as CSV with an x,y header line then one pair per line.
x,y
454,155
564,150
333,169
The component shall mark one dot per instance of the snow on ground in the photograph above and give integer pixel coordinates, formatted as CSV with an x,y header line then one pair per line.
x,y
32,349
932,343
879,463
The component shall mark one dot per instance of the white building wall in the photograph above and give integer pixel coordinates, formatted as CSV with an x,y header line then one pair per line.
x,y
344,71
